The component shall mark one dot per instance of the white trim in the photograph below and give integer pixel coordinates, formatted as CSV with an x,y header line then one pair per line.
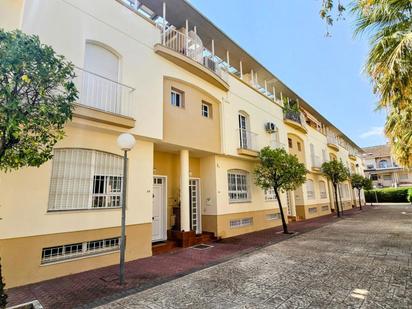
x,y
199,205
164,208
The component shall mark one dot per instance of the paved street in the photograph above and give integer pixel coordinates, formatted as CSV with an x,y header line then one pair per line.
x,y
363,261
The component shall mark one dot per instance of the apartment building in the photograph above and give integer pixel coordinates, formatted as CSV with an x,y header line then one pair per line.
x,y
200,108
381,167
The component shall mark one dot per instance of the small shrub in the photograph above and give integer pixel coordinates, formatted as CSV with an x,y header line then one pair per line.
x,y
389,195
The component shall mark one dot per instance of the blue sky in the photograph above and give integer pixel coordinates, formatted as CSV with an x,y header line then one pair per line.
x,y
288,37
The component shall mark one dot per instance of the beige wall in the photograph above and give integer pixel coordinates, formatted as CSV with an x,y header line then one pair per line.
x,y
24,193
220,224
306,211
186,126
11,12
300,154
21,257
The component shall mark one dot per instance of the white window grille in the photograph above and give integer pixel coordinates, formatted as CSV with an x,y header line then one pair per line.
x,y
85,179
238,186
310,191
273,216
270,195
322,189
241,222
176,98
70,251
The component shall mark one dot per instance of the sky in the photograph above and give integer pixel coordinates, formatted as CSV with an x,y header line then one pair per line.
x,y
288,38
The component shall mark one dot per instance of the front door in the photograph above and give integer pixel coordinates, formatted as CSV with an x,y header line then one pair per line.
x,y
243,132
195,210
159,209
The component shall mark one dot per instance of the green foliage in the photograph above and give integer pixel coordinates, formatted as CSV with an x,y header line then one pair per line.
x,y
367,184
279,170
357,181
335,171
36,99
389,195
3,295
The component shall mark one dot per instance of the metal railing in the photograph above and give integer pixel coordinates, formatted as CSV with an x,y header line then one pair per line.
x,y
331,139
247,140
293,115
276,144
179,42
103,93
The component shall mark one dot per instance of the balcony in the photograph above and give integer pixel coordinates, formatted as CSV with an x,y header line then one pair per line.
x,y
247,143
295,120
276,144
104,100
352,155
333,142
188,52
316,163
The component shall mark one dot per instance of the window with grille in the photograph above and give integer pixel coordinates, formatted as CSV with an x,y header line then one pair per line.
x,y
270,195
238,186
176,98
273,216
325,208
241,222
312,210
85,179
310,190
206,110
70,251
322,189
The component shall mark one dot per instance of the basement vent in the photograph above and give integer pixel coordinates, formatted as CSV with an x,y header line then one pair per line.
x,y
325,208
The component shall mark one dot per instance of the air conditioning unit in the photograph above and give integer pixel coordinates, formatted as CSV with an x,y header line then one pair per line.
x,y
271,127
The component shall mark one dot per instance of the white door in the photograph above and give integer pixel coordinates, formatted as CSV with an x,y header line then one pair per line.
x,y
195,210
158,216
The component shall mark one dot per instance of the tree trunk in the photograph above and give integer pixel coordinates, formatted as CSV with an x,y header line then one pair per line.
x,y
285,226
336,200
360,203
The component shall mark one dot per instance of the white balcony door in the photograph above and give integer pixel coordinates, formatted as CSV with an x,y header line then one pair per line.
x,y
159,209
243,131
100,88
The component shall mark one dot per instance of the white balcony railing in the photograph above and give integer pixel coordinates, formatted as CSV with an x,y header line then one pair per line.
x,y
276,144
247,140
192,48
104,94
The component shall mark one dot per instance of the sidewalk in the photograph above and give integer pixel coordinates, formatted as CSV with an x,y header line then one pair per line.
x,y
99,286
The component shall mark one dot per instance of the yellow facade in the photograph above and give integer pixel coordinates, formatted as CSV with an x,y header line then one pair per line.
x,y
193,121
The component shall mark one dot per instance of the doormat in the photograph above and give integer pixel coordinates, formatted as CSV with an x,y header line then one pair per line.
x,y
202,247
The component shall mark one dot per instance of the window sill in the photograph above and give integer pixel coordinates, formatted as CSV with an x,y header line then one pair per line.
x,y
86,256
83,209
240,202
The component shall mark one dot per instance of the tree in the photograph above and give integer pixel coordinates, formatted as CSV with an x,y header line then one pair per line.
x,y
336,172
280,171
389,64
3,295
359,182
36,99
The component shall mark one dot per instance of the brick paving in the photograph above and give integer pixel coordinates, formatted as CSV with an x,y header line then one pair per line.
x,y
96,287
364,261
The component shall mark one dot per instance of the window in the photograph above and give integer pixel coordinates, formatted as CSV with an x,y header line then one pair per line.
x,y
299,146
310,191
70,251
322,189
270,195
241,222
325,208
206,110
244,134
312,210
238,186
374,176
177,98
383,164
273,216
290,143
403,176
85,179
387,177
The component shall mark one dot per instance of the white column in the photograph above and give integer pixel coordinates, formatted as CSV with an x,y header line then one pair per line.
x,y
184,191
187,37
241,70
213,48
164,23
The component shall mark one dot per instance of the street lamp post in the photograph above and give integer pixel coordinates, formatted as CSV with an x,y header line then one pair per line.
x,y
125,142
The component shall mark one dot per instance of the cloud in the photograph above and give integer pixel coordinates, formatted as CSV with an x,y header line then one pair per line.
x,y
374,131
